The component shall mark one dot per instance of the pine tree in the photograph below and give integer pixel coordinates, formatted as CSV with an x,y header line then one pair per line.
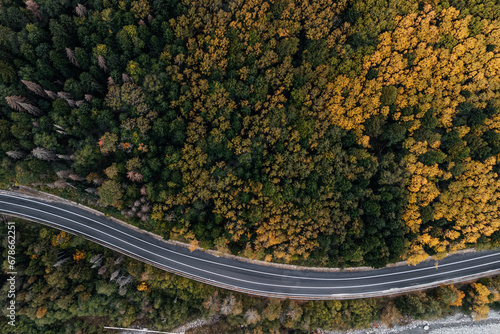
x,y
252,316
14,102
71,56
34,87
35,111
50,94
102,63
43,154
34,9
7,72
16,154
80,10
64,95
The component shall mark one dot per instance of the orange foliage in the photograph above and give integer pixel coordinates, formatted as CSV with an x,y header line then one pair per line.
x,y
79,255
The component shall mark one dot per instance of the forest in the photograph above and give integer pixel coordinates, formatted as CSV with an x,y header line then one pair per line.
x,y
66,284
322,133
327,133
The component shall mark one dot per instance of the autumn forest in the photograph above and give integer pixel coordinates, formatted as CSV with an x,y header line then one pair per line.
x,y
320,133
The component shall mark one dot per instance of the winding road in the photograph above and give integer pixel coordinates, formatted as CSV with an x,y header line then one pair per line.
x,y
249,277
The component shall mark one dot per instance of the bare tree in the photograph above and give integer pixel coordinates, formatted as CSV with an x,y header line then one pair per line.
x,y
16,154
71,56
95,258
34,9
124,280
97,263
51,94
170,216
62,174
79,103
102,63
28,107
119,260
146,208
228,305
64,95
76,177
114,275
60,262
34,87
102,270
43,154
98,181
88,97
71,103
64,156
61,184
14,100
126,78
144,191
80,10
111,82
252,316
91,190
135,176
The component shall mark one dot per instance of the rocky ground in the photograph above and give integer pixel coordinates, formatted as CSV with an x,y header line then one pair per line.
x,y
456,324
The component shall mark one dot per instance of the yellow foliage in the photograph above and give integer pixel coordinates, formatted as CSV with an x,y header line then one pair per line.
x,y
40,313
193,245
142,287
61,239
79,255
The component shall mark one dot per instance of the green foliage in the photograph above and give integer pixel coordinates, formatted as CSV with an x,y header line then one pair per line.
x,y
389,95
274,128
110,193
433,157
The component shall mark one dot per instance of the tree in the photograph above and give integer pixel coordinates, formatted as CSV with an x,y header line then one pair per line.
x,y
15,100
40,313
432,157
71,56
388,95
34,9
272,310
107,143
34,87
111,171
110,193
16,154
102,63
479,294
7,72
252,316
43,154
80,10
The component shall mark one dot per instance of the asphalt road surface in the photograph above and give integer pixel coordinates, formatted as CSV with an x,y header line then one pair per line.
x,y
252,278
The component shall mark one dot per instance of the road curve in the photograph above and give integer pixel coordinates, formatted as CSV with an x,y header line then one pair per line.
x,y
247,277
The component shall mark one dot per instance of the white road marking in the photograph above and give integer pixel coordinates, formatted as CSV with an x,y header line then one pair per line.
x,y
228,277
235,287
432,267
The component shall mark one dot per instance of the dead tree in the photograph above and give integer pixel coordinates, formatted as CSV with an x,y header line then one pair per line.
x,y
43,154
